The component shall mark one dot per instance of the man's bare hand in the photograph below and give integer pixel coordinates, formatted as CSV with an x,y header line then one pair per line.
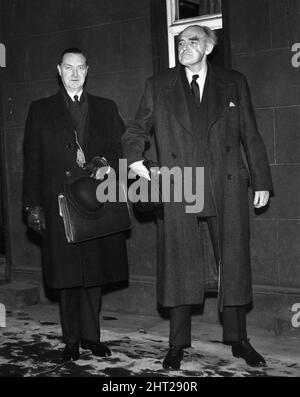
x,y
101,172
261,198
139,169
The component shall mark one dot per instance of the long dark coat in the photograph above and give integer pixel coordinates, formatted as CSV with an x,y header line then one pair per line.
x,y
231,121
50,159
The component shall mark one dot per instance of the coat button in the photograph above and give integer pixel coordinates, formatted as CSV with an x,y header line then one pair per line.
x,y
229,177
173,155
68,173
227,148
68,145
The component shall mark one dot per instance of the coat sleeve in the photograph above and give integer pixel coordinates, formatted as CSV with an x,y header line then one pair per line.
x,y
253,143
32,181
137,133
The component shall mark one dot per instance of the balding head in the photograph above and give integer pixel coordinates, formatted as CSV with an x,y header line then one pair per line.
x,y
195,43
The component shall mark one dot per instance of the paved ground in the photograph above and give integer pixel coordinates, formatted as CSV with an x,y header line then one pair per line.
x,y
31,344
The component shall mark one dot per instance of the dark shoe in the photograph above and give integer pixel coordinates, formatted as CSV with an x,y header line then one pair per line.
x,y
98,349
244,350
173,358
71,352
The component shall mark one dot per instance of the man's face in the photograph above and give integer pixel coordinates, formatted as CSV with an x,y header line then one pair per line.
x,y
73,71
193,47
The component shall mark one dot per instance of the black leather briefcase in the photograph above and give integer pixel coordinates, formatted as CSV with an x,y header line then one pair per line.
x,y
86,218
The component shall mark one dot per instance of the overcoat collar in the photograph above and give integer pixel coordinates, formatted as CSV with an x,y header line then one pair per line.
x,y
218,93
177,99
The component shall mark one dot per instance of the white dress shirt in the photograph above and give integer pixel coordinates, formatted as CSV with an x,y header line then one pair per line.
x,y
200,80
72,95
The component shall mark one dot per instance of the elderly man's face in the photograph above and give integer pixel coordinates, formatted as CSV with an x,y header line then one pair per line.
x,y
193,47
73,71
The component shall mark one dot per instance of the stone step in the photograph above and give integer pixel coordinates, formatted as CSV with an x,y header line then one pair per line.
x,y
18,294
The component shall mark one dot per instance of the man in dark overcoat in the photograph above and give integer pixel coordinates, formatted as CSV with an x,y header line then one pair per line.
x,y
64,132
201,115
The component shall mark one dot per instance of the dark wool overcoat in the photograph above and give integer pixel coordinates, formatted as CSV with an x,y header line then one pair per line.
x,y
50,159
182,250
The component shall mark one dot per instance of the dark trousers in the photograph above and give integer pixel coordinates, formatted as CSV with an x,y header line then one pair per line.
x,y
234,317
79,311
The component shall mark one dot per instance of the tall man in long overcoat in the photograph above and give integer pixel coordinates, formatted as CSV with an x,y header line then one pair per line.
x,y
63,133
201,115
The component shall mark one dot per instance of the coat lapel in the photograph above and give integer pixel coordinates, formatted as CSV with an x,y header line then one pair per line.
x,y
218,93
62,115
177,99
90,123
96,128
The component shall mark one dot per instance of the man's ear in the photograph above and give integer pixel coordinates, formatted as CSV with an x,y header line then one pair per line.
x,y
59,69
209,48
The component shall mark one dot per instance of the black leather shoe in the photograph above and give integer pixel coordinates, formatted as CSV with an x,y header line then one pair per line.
x,y
98,349
71,352
173,358
244,350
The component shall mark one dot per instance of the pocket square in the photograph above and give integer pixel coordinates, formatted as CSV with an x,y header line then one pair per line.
x,y
232,104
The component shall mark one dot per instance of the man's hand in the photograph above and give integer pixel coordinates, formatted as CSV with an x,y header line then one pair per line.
x,y
36,219
139,169
101,172
261,198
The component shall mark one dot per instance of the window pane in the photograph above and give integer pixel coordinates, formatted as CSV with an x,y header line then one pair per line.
x,y
196,8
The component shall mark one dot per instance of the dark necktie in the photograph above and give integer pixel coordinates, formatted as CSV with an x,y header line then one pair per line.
x,y
195,88
77,118
77,102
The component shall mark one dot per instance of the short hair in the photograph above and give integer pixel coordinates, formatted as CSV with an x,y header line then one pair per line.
x,y
72,50
209,33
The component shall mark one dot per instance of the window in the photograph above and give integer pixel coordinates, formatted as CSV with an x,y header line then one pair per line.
x,y
184,13
197,8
